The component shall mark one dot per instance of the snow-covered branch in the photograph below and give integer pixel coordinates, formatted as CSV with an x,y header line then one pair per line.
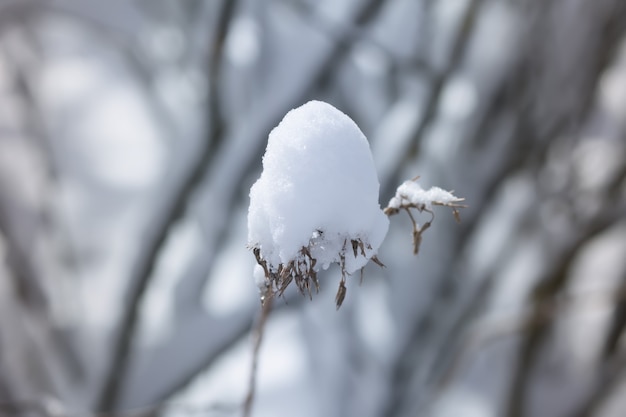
x,y
410,195
316,202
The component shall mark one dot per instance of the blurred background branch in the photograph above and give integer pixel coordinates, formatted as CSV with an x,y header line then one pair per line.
x,y
131,131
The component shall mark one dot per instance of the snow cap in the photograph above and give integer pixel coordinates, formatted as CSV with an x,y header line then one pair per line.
x,y
317,198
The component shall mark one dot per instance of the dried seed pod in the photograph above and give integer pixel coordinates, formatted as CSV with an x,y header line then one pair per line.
x,y
355,247
377,261
341,293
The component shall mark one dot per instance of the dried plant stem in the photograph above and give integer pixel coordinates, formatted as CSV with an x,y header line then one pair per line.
x,y
257,340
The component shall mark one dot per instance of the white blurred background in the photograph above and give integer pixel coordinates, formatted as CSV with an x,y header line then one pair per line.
x,y
132,130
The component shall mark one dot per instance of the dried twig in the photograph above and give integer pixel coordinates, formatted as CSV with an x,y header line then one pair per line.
x,y
258,338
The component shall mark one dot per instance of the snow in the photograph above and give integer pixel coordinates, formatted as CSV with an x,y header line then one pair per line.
x,y
410,193
318,191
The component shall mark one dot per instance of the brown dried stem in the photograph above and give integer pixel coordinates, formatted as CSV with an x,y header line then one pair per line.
x,y
258,339
417,229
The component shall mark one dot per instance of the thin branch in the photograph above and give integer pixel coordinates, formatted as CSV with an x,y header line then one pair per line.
x,y
337,32
402,371
174,211
557,278
258,339
549,286
439,80
110,31
340,50
488,331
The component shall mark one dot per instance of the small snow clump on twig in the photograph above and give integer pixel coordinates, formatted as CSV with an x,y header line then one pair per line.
x,y
316,202
410,195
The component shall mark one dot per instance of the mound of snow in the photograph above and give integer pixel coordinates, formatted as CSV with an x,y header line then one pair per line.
x,y
316,202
